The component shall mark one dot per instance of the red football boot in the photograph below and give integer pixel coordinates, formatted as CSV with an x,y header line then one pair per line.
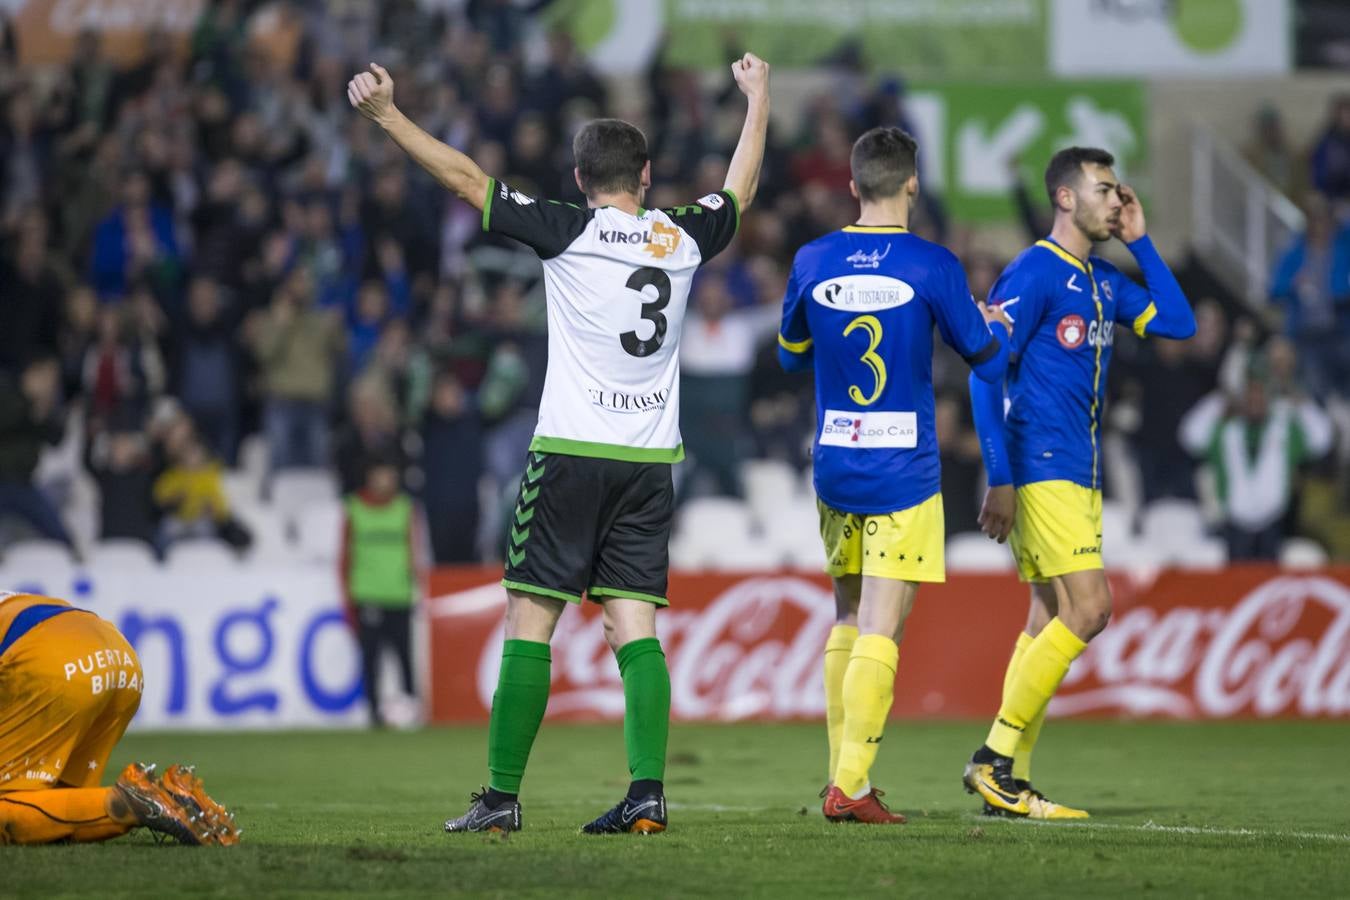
x,y
839,807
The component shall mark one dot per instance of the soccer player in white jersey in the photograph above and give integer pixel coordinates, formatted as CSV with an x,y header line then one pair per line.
x,y
595,505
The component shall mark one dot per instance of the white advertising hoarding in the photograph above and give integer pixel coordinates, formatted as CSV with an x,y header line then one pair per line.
x,y
1160,38
236,647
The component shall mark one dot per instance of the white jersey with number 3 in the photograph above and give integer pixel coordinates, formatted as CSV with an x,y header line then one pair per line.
x,y
617,286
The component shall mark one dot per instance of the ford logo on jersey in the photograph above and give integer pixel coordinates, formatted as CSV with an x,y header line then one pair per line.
x,y
862,293
870,430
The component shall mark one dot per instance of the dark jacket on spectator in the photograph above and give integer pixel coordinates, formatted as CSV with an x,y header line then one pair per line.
x,y
22,436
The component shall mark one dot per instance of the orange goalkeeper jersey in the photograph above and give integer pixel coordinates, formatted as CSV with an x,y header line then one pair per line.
x,y
69,686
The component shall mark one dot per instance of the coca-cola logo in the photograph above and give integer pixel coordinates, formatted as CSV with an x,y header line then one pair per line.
x,y
1283,649
753,651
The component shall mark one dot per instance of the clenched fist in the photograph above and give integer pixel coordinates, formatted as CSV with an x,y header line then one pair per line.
x,y
372,93
751,74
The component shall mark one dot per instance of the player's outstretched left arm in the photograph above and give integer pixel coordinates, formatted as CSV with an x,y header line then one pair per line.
x,y
372,93
752,77
1164,311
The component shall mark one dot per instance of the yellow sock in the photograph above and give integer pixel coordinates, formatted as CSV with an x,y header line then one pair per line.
x,y
1022,758
1023,642
1041,669
1023,755
837,650
869,687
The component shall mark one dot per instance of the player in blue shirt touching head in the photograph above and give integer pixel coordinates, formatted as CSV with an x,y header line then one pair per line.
x,y
1042,445
861,305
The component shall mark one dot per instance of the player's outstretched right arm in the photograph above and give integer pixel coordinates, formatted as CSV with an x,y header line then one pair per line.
x,y
373,94
752,77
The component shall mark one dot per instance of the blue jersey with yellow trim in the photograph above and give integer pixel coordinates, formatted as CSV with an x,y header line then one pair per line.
x,y
1064,312
863,302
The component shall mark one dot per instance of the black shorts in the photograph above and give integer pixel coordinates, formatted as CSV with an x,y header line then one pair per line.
x,y
591,526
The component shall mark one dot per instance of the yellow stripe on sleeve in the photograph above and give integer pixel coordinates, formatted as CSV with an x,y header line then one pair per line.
x,y
1142,320
794,346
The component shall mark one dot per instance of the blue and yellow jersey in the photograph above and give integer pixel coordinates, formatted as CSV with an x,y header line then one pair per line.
x,y
861,304
1065,312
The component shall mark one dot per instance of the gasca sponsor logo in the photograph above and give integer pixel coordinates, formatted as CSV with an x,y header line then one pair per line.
x,y
862,293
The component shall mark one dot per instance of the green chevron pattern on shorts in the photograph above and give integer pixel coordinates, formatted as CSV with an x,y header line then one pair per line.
x,y
529,492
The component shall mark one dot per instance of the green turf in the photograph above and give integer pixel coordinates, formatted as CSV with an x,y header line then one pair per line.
x,y
360,814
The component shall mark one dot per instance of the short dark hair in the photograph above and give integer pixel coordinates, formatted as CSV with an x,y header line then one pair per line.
x,y
381,459
1066,167
882,160
610,154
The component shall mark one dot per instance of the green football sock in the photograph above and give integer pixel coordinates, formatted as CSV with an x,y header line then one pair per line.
x,y
646,720
517,709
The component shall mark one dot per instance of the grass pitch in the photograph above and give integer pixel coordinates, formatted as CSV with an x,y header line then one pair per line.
x,y
1215,810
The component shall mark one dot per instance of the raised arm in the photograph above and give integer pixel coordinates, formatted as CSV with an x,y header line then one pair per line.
x,y
752,77
373,94
1161,308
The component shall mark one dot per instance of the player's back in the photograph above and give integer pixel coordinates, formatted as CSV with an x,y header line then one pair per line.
x,y
617,284
20,612
869,298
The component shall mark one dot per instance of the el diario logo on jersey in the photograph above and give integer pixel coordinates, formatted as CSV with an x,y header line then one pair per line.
x,y
862,293
619,401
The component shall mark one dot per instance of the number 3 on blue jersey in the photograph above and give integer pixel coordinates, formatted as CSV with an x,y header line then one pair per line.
x,y
872,326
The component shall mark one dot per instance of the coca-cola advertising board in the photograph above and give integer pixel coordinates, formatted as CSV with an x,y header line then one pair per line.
x,y
1241,642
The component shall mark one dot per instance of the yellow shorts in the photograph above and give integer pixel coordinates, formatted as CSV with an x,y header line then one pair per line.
x,y
1058,530
906,545
68,689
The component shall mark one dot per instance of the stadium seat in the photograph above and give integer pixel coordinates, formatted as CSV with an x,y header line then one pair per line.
x,y
806,482
792,519
769,484
706,527
253,457
271,538
201,555
1302,553
971,551
319,531
1117,522
753,555
807,554
243,488
121,554
1172,523
1127,553
1199,553
687,555
294,489
37,556
714,518
81,510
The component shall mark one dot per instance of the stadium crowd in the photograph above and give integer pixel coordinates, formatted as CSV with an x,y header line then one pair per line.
x,y
210,245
